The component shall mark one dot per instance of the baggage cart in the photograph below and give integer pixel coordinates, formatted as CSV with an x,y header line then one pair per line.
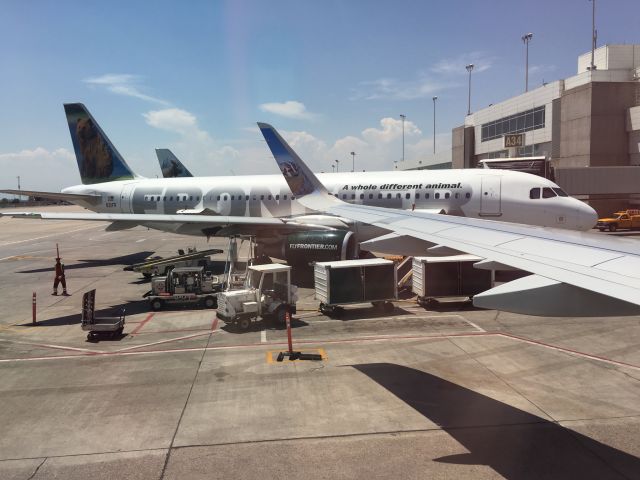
x,y
111,326
345,282
448,277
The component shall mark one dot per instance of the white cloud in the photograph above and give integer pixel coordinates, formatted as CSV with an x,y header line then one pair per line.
x,y
288,109
172,119
391,130
457,65
39,169
395,89
123,84
195,147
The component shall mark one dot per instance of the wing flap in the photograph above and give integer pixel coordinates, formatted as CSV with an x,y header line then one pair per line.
x,y
536,295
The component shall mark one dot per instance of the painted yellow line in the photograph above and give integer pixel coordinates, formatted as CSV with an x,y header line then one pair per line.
x,y
271,359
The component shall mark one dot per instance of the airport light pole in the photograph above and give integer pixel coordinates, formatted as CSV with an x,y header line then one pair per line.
x,y
469,69
333,167
353,159
18,177
434,124
526,38
403,117
337,165
594,34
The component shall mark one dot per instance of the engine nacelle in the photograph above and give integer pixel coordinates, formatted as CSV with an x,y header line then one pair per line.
x,y
314,246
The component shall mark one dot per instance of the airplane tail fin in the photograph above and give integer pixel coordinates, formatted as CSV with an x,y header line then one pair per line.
x,y
98,160
170,165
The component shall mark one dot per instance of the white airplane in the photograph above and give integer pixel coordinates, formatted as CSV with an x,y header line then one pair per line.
x,y
263,205
574,273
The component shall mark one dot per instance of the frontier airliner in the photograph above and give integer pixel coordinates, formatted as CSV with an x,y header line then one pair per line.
x,y
263,205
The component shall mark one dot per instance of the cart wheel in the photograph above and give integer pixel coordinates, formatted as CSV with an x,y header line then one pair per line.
x,y
146,275
210,302
120,330
281,316
156,304
244,323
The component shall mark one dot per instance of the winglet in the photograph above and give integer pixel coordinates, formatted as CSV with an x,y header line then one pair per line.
x,y
303,183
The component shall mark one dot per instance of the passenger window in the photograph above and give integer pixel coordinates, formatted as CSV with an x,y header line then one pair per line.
x,y
284,197
292,197
362,196
534,193
353,196
218,197
224,198
467,195
171,199
261,197
370,196
457,195
426,195
388,195
233,197
379,196
198,198
417,196
447,195
246,197
277,197
560,192
437,195
547,193
190,197
344,196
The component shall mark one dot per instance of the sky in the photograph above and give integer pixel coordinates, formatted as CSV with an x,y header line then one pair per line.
x,y
332,76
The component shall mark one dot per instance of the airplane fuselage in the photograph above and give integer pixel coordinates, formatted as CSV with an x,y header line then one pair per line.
x,y
490,194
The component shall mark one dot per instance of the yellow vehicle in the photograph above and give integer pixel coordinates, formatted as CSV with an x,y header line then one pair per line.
x,y
624,220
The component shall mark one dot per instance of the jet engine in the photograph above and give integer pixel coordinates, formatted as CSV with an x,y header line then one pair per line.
x,y
313,246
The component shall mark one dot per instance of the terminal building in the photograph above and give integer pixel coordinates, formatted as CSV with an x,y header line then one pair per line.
x,y
585,127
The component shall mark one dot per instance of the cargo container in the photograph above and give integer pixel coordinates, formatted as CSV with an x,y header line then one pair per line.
x,y
346,282
451,276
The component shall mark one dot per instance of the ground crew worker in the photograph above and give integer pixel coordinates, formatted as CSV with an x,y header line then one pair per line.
x,y
59,279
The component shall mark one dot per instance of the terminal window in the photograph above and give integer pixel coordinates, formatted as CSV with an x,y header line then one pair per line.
x,y
518,123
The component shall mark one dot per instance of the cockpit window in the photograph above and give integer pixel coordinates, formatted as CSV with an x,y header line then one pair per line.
x,y
560,192
548,193
534,193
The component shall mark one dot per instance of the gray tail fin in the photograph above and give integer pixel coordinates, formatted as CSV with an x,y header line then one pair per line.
x,y
98,160
170,165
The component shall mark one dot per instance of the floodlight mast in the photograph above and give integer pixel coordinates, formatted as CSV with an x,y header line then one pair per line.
x,y
526,38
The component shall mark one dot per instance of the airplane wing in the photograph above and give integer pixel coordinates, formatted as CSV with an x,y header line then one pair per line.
x,y
69,197
210,225
575,273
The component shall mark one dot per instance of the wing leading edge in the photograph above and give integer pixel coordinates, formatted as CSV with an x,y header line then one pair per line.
x,y
591,264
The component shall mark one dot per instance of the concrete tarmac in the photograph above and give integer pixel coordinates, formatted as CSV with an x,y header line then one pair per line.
x,y
451,392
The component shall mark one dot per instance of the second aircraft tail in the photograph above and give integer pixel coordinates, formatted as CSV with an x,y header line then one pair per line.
x,y
170,165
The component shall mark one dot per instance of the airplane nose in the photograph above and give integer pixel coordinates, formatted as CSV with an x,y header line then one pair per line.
x,y
587,216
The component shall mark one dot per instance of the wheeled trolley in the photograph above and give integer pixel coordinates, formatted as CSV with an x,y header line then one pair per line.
x,y
110,326
346,282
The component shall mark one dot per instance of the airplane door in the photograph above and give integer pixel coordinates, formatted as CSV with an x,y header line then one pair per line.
x,y
126,198
490,202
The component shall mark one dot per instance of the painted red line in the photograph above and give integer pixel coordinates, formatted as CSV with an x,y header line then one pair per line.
x,y
142,324
570,351
214,324
150,332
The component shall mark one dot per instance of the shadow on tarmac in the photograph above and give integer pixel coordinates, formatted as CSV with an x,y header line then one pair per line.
x,y
263,325
131,308
514,443
123,260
